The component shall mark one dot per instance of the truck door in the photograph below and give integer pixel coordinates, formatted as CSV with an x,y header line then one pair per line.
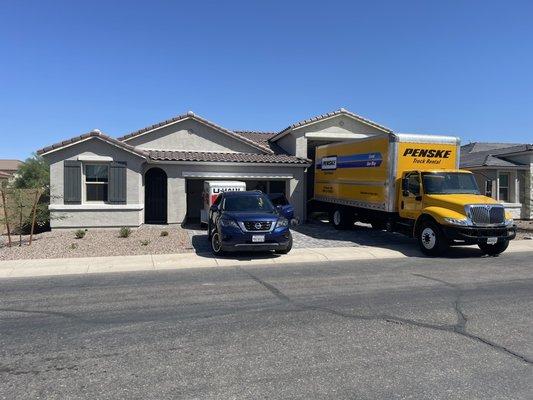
x,y
411,196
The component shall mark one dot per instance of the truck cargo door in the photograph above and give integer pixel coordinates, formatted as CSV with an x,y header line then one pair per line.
x,y
411,196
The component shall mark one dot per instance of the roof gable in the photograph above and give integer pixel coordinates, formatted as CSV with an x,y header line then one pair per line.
x,y
324,117
191,116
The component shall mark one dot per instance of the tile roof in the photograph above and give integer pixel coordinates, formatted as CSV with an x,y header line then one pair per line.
x,y
340,111
191,115
162,155
491,154
9,165
96,134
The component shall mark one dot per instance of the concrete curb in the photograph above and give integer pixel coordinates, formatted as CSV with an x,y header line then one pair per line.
x,y
155,262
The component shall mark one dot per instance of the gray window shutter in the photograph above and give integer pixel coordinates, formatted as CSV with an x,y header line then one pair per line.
x,y
117,183
72,182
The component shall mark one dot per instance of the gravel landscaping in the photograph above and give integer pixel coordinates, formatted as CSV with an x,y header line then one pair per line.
x,y
524,229
98,242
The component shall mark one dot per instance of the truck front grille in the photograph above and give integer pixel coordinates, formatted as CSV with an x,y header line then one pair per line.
x,y
257,225
487,214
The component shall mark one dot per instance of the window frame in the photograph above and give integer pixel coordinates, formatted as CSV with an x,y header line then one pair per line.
x,y
85,183
507,187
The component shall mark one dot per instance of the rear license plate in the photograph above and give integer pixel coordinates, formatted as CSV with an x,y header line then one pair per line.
x,y
258,238
492,240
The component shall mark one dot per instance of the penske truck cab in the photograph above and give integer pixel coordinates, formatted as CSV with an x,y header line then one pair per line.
x,y
409,184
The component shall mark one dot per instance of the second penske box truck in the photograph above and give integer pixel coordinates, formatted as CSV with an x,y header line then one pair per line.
x,y
410,184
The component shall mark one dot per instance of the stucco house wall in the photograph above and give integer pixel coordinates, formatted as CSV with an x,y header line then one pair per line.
x,y
94,214
190,135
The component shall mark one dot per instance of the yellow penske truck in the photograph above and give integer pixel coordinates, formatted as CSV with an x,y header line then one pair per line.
x,y
410,184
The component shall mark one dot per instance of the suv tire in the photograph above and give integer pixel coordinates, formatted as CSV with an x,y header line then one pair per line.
x,y
216,245
285,250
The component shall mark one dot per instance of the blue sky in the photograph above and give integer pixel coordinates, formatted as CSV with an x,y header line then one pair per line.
x,y
446,67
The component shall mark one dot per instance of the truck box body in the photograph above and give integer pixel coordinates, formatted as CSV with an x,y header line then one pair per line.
x,y
366,172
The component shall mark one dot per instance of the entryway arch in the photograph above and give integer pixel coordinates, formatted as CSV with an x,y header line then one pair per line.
x,y
155,196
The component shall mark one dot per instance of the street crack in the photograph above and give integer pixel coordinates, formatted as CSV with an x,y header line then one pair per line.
x,y
458,328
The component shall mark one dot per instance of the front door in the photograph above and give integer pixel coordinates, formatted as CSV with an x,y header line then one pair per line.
x,y
155,196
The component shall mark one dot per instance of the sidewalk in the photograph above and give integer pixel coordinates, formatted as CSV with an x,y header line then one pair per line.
x,y
93,265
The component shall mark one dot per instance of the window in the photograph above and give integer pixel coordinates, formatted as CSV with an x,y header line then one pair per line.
x,y
413,184
503,190
488,188
449,183
96,182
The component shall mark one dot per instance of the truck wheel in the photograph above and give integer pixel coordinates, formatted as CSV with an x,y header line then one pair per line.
x,y
494,249
341,219
430,239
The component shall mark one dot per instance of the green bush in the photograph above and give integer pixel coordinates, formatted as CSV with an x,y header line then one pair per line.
x,y
164,233
80,233
145,242
124,232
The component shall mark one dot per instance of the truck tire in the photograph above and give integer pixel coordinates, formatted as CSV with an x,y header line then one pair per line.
x,y
341,218
494,249
431,239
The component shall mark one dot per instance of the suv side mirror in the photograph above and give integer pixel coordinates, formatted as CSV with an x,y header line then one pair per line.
x,y
213,208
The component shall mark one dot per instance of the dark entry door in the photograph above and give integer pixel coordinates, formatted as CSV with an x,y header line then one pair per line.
x,y
155,196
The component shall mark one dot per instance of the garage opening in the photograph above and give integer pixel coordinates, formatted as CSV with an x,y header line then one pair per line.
x,y
155,196
195,187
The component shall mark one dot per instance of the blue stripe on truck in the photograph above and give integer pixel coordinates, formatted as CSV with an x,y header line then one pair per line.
x,y
366,160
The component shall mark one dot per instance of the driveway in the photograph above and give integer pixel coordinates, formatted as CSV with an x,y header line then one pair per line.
x,y
319,233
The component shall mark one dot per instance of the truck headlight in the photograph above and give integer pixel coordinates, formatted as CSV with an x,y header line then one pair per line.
x,y
458,221
282,223
229,223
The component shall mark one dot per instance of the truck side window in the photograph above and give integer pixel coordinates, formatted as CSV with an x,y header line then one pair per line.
x,y
413,184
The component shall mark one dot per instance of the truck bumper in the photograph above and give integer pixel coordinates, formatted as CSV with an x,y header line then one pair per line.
x,y
476,235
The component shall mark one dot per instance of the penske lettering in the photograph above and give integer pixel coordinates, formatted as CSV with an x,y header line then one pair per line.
x,y
430,153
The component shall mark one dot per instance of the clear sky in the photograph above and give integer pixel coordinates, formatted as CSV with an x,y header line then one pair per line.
x,y
445,67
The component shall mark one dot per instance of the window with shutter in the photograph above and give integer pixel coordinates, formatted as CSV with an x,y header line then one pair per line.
x,y
72,182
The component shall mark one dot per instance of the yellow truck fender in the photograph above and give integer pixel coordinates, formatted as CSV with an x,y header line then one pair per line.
x,y
437,214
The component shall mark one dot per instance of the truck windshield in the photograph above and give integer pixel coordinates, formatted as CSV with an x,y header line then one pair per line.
x,y
248,203
449,183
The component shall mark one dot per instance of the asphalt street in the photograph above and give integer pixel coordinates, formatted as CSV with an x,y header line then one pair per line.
x,y
413,328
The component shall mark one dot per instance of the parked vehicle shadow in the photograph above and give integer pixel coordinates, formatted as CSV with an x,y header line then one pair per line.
x,y
319,233
202,247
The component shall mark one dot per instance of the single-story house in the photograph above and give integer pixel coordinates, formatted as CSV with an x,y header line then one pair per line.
x,y
8,169
504,171
156,174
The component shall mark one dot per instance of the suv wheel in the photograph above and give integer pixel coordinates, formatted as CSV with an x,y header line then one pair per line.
x,y
287,249
430,239
494,249
216,244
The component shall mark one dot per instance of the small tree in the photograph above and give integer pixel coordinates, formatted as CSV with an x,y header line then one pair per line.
x,y
34,173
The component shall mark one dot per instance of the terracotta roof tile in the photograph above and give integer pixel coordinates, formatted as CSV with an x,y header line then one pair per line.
x,y
200,156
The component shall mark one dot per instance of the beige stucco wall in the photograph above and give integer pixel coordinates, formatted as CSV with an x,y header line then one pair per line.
x,y
190,135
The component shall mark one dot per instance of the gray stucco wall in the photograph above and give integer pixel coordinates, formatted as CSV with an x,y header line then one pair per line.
x,y
296,143
89,214
190,135
177,196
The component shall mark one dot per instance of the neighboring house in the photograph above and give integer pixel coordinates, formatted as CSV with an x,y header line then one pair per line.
x,y
504,171
156,174
8,169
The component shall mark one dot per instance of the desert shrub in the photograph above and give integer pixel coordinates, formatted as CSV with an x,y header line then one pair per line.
x,y
145,242
124,232
73,246
80,233
164,233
